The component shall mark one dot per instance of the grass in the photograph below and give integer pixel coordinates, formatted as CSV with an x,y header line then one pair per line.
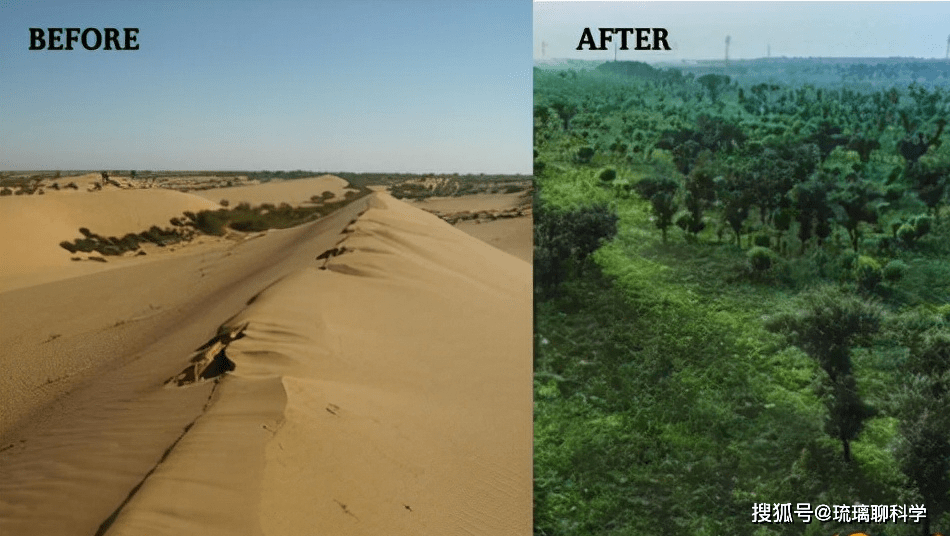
x,y
662,405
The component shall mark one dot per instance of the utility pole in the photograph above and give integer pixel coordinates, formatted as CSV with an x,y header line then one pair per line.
x,y
544,47
768,51
728,38
948,47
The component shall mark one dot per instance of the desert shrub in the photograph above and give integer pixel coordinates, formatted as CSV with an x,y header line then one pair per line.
x,y
154,234
86,245
867,273
249,225
68,246
894,271
6,191
129,242
224,203
210,222
760,258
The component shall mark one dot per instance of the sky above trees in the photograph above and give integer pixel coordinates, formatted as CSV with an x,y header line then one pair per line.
x,y
698,30
362,86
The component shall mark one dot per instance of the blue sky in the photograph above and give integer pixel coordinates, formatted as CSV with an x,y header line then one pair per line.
x,y
698,30
386,86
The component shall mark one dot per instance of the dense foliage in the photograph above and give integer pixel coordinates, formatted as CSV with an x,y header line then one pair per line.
x,y
767,318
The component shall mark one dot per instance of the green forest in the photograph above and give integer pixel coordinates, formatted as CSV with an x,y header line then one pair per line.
x,y
742,300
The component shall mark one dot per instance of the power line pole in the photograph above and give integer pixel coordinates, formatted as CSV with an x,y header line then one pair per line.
x,y
544,47
728,38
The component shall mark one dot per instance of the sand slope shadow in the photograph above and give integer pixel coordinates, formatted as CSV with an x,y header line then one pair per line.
x,y
210,360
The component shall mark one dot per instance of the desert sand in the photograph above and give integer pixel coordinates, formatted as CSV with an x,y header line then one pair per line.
x,y
514,235
368,373
293,192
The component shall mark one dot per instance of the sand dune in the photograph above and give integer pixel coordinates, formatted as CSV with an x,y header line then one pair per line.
x,y
294,192
378,382
34,225
512,235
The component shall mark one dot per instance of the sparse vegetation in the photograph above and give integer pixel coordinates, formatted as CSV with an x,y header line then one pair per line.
x,y
242,218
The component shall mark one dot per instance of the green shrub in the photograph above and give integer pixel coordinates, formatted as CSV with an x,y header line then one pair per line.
x,y
762,240
894,271
585,154
847,259
608,175
867,273
913,229
760,258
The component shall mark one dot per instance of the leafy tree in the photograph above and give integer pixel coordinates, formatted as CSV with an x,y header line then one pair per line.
x,y
564,240
863,146
565,111
812,209
859,202
827,137
931,184
827,324
846,413
714,83
924,451
736,200
916,144
661,192
699,194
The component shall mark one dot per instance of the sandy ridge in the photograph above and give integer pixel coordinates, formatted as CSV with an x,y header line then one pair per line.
x,y
381,387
